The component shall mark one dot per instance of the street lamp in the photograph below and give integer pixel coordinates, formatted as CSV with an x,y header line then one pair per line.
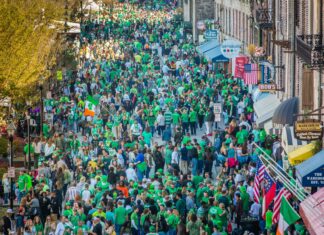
x,y
28,133
41,106
11,131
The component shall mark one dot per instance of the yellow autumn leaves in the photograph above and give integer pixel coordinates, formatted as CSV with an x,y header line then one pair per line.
x,y
28,45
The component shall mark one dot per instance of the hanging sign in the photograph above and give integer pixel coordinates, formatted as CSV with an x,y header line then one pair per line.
x,y
313,179
217,112
308,130
211,34
11,172
231,48
239,66
267,87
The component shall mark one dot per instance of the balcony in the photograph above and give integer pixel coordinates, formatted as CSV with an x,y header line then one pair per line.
x,y
311,50
264,18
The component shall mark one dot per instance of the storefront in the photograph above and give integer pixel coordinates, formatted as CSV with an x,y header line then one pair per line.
x,y
310,173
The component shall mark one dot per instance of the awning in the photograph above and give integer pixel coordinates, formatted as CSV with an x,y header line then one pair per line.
x,y
215,55
264,108
274,131
310,173
289,142
258,95
207,46
311,211
285,112
301,154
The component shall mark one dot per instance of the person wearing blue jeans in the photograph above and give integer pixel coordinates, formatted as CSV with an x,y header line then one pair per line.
x,y
194,162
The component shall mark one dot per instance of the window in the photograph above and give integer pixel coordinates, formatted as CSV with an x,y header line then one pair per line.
x,y
307,89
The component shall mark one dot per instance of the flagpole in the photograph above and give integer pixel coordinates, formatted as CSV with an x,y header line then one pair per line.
x,y
300,195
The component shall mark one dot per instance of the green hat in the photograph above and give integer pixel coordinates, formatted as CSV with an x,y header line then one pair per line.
x,y
66,213
68,203
99,207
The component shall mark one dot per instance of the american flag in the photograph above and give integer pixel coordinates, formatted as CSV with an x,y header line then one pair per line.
x,y
258,180
281,191
250,74
269,192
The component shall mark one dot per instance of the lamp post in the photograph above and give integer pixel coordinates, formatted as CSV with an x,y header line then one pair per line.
x,y
81,21
11,131
28,134
41,106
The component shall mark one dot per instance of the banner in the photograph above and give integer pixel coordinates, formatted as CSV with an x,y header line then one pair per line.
x,y
239,66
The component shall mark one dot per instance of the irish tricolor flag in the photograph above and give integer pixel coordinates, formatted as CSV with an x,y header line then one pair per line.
x,y
287,217
90,106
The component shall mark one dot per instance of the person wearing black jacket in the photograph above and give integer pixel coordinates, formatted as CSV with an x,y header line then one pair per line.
x,y
54,204
7,222
44,203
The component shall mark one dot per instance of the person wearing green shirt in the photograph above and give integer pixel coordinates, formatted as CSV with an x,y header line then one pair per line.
x,y
147,136
134,221
120,217
22,185
185,121
172,220
268,216
192,122
242,135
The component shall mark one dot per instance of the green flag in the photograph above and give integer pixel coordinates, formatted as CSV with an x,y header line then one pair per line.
x,y
287,216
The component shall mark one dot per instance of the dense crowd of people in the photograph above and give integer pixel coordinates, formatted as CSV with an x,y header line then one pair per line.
x,y
152,159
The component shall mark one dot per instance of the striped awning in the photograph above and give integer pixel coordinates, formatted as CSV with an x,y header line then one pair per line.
x,y
274,131
289,142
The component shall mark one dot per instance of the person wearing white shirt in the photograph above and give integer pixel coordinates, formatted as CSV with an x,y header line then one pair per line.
x,y
175,159
131,173
249,190
85,194
60,227
255,210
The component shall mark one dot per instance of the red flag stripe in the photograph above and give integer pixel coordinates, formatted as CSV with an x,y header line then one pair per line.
x,y
251,77
277,203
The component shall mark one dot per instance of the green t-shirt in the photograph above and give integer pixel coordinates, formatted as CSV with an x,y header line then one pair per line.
x,y
173,221
21,182
185,117
32,149
134,216
269,215
120,215
193,116
147,137
175,118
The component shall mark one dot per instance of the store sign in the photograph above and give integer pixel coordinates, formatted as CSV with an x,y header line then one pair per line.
x,y
267,87
313,179
211,34
218,112
308,130
11,172
231,48
239,66
201,25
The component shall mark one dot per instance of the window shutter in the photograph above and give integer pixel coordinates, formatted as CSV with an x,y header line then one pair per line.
x,y
307,89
